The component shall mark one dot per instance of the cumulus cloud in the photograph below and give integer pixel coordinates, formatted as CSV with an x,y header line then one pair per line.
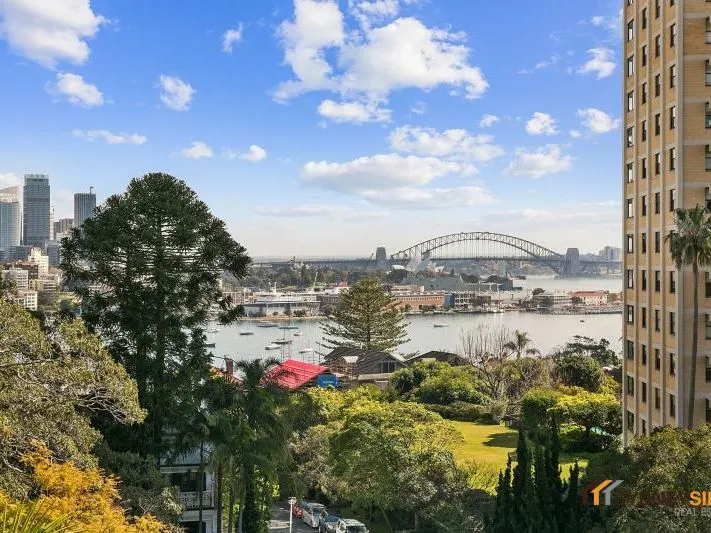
x,y
355,112
317,211
488,120
8,179
254,153
541,124
597,121
49,32
109,137
373,61
546,160
454,143
175,93
601,63
553,60
77,91
230,38
429,198
197,150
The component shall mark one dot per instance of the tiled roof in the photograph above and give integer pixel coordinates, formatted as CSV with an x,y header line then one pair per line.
x,y
292,374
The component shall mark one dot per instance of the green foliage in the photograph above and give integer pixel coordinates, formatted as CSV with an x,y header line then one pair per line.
x,y
600,350
577,370
33,517
521,345
535,406
366,318
464,412
51,380
157,254
407,379
590,410
449,385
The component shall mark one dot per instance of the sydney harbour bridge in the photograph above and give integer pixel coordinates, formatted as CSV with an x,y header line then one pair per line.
x,y
466,247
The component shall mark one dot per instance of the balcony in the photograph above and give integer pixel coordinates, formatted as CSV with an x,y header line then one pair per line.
x,y
190,500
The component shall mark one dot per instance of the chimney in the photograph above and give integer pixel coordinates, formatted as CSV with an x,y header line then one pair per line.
x,y
230,367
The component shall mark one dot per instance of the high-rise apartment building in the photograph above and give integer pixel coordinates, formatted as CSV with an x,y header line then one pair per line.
x,y
36,209
667,165
10,220
84,205
62,227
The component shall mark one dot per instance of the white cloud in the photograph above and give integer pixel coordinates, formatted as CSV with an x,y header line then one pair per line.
x,y
197,150
429,198
601,63
175,93
383,171
419,108
597,20
230,38
455,143
317,210
355,112
255,153
575,134
553,60
76,90
49,31
8,179
597,121
488,120
110,138
373,61
541,124
546,160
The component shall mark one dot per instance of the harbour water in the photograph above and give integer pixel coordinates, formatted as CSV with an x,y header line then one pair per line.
x,y
546,331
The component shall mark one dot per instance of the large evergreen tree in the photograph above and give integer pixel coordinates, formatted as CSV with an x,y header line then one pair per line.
x,y
367,317
147,267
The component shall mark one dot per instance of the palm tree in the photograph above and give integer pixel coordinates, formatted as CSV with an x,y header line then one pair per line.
x,y
521,344
690,245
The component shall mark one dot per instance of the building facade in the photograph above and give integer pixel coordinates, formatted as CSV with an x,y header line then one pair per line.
x,y
10,220
36,218
62,227
667,160
592,298
84,205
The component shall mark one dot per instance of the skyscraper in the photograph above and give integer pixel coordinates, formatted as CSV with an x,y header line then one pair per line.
x,y
10,219
84,205
36,210
667,165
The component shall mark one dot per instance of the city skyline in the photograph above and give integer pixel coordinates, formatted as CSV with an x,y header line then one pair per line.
x,y
309,129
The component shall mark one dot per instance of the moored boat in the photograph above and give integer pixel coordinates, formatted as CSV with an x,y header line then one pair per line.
x,y
440,325
246,332
272,347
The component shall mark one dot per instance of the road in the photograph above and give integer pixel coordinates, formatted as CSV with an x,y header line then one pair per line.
x,y
280,521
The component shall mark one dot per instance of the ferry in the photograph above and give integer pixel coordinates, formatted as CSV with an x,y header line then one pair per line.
x,y
282,303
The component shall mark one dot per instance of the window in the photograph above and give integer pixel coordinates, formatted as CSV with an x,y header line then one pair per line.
x,y
630,244
657,85
630,279
708,376
657,8
657,281
672,76
644,130
657,242
630,101
644,325
630,172
672,117
657,203
657,359
644,93
644,392
672,282
630,207
658,163
387,367
708,285
657,398
707,326
708,30
672,199
644,206
630,421
630,349
657,320
644,243
644,18
672,365
708,115
672,36
630,314
630,66
643,276
630,30
657,124
644,168
657,46
630,386
672,323
707,158
672,406
708,73
644,354
644,425
672,158
644,55
630,136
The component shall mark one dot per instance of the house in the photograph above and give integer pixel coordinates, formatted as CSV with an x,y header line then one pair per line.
x,y
435,355
364,366
594,298
293,375
183,473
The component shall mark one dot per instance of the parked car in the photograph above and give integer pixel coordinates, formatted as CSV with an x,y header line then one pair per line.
x,y
348,525
327,522
311,512
297,510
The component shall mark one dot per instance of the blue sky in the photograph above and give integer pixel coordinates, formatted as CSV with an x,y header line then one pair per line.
x,y
324,127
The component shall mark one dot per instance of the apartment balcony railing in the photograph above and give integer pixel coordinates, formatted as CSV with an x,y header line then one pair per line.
x,y
191,500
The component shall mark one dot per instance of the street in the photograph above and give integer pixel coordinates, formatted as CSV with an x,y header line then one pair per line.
x,y
280,521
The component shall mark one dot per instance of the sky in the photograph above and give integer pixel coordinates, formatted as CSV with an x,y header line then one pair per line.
x,y
327,127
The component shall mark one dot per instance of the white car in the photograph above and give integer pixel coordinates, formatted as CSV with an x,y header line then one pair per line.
x,y
311,513
348,525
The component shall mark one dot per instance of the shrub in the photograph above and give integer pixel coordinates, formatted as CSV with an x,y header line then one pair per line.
x,y
573,440
463,412
579,371
535,405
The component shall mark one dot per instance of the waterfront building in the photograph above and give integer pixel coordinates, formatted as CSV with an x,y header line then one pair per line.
x,y
666,165
84,205
36,219
10,220
551,300
592,298
419,300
